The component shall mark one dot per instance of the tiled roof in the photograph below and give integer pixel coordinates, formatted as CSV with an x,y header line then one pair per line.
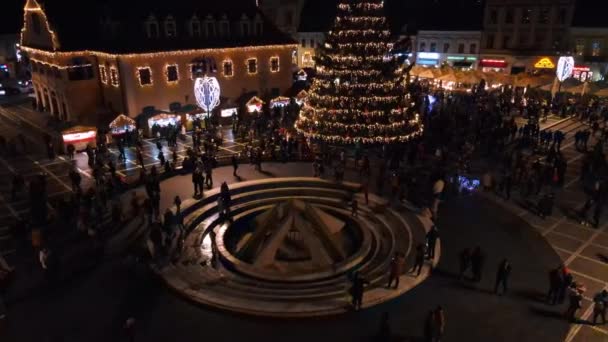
x,y
82,29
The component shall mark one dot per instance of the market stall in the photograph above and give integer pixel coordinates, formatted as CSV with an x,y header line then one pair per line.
x,y
80,137
254,105
121,125
280,101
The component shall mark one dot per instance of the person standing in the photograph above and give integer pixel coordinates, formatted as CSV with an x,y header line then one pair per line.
x,y
575,294
431,240
196,174
178,204
599,306
356,291
502,276
396,268
477,261
235,165
438,188
419,259
438,325
465,262
555,283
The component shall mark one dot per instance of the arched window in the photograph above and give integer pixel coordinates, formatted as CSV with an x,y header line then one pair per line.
x,y
195,27
170,29
152,29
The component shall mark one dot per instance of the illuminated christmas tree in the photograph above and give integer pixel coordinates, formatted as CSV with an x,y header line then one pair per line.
x,y
358,94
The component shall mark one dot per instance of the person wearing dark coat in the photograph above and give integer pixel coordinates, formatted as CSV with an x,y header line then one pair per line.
x,y
431,240
235,165
356,291
555,283
502,276
465,262
419,259
477,261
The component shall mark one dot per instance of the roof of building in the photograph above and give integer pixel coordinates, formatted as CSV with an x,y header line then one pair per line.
x,y
587,14
444,15
86,31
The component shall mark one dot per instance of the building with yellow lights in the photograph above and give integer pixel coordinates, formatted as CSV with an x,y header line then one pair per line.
x,y
142,55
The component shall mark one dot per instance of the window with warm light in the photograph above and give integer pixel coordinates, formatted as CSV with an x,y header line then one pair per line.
x,y
145,76
252,66
274,64
228,68
580,47
595,48
172,73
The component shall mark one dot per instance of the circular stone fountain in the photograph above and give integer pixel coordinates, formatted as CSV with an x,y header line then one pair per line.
x,y
291,247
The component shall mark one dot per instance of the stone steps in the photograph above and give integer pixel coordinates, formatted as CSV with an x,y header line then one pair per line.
x,y
237,286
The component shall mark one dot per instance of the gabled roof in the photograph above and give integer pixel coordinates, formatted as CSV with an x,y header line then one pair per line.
x,y
84,29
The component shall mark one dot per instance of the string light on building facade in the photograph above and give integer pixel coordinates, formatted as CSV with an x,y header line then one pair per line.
x,y
144,75
114,77
172,73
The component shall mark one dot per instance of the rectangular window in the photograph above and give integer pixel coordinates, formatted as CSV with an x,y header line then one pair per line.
x,y
252,66
170,30
312,43
172,73
505,42
461,48
595,48
473,49
114,77
526,14
274,64
225,29
228,72
562,16
543,16
446,48
210,30
307,60
145,76
259,28
523,39
509,16
303,43
580,47
540,39
433,47
102,74
493,17
422,47
490,41
245,29
196,29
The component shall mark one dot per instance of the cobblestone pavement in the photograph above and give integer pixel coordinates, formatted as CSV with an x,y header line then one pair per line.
x,y
19,119
583,249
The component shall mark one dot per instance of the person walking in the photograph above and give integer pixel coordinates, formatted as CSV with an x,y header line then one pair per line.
x,y
395,270
437,325
599,306
235,164
356,291
419,259
502,277
477,261
465,262
555,283
178,204
431,240
575,295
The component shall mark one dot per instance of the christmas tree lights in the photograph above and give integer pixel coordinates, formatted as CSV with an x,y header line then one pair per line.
x,y
359,93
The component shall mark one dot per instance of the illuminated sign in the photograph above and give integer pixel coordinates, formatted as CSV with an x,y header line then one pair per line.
x,y
74,137
227,113
493,63
582,73
427,61
544,63
207,93
456,58
565,67
428,55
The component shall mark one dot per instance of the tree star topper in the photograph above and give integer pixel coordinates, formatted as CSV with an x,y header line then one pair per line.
x,y
207,93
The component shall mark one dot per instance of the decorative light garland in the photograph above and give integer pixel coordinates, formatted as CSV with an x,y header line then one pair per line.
x,y
225,63
37,9
272,68
138,73
247,63
114,77
167,66
102,74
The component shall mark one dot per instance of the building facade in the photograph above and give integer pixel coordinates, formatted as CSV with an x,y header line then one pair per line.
x,y
132,63
309,44
525,35
9,45
459,49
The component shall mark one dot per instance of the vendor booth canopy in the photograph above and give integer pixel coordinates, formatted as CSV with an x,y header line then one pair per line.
x,y
164,119
122,122
280,101
254,104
